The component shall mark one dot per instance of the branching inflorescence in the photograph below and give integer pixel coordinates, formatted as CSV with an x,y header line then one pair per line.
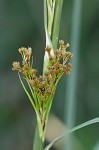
x,y
43,87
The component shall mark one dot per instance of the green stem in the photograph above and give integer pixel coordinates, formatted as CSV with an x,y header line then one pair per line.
x,y
38,142
56,25
51,9
51,30
48,40
45,15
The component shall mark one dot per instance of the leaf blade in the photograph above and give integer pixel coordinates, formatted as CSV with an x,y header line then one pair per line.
x,y
93,121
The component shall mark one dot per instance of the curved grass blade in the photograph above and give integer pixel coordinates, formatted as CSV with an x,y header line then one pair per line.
x,y
72,130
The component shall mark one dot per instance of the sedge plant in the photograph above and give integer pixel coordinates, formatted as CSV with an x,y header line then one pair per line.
x,y
42,88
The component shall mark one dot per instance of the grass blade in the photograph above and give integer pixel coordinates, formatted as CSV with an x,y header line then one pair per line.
x,y
72,79
56,25
72,130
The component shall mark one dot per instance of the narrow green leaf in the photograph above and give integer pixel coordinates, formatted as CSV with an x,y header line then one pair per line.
x,y
45,15
56,25
72,130
33,95
48,40
30,88
27,92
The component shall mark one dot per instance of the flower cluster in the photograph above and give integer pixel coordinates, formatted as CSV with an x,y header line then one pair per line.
x,y
44,86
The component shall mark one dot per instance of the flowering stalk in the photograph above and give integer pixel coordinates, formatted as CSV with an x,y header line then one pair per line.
x,y
43,87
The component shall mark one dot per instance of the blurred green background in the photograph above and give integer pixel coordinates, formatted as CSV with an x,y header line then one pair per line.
x,y
21,24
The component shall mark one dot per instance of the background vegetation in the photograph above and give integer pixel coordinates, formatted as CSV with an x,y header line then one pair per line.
x,y
21,24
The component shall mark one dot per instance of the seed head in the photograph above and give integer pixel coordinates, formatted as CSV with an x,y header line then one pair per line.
x,y
45,86
16,65
67,68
